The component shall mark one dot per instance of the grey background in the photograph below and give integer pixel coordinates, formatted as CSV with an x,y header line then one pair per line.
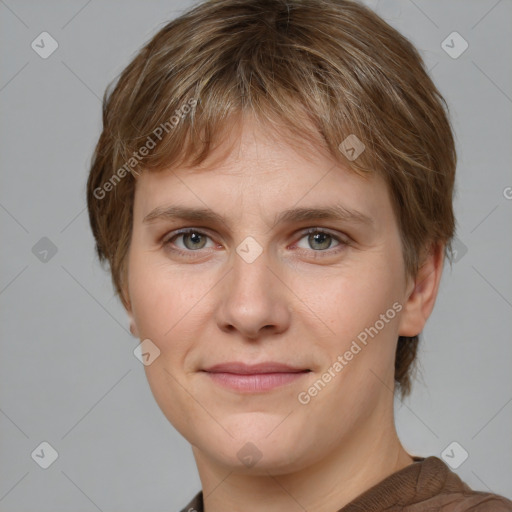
x,y
68,374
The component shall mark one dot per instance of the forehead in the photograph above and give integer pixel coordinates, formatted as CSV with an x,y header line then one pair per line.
x,y
258,169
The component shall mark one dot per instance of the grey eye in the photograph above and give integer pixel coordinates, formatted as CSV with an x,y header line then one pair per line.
x,y
190,240
318,240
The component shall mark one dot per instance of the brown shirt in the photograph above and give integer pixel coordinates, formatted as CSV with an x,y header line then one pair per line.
x,y
427,485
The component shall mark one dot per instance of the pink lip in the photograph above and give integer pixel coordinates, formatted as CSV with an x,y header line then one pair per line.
x,y
254,378
252,369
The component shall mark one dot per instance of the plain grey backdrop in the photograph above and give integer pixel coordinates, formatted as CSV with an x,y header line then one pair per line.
x,y
69,377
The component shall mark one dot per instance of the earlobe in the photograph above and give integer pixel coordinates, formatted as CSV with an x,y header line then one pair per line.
x,y
133,326
420,301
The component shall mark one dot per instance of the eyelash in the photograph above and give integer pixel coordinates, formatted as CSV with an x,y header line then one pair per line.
x,y
343,242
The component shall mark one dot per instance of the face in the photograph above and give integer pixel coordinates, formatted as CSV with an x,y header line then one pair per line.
x,y
276,315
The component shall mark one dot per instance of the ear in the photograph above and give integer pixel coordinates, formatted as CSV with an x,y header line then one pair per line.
x,y
133,327
128,306
422,292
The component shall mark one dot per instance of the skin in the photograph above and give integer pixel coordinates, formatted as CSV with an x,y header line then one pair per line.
x,y
300,302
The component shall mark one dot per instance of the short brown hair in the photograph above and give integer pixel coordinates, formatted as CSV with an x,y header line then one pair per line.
x,y
334,61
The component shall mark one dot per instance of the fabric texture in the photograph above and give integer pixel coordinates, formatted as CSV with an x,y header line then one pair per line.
x,y
427,485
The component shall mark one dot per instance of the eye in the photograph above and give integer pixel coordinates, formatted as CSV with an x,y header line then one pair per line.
x,y
320,240
191,240
188,241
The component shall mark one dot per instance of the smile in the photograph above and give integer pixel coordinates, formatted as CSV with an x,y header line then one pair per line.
x,y
254,378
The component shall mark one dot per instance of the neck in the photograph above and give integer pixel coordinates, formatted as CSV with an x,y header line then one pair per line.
x,y
372,453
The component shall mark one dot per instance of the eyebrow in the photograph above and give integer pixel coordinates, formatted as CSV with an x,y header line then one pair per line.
x,y
294,215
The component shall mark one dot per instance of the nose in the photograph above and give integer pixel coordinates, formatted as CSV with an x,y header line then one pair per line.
x,y
254,301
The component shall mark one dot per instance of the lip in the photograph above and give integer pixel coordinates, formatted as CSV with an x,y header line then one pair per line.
x,y
254,378
253,369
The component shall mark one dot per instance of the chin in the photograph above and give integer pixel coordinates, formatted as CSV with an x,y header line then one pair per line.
x,y
257,460
261,451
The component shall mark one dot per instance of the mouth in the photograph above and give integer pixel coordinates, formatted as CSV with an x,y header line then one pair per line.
x,y
256,378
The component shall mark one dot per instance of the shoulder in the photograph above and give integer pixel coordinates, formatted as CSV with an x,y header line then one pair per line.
x,y
455,495
472,501
196,504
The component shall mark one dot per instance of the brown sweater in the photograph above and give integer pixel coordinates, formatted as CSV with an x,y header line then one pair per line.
x,y
427,485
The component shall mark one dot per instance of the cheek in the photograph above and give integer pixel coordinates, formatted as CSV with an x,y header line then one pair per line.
x,y
351,307
346,301
164,303
162,298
